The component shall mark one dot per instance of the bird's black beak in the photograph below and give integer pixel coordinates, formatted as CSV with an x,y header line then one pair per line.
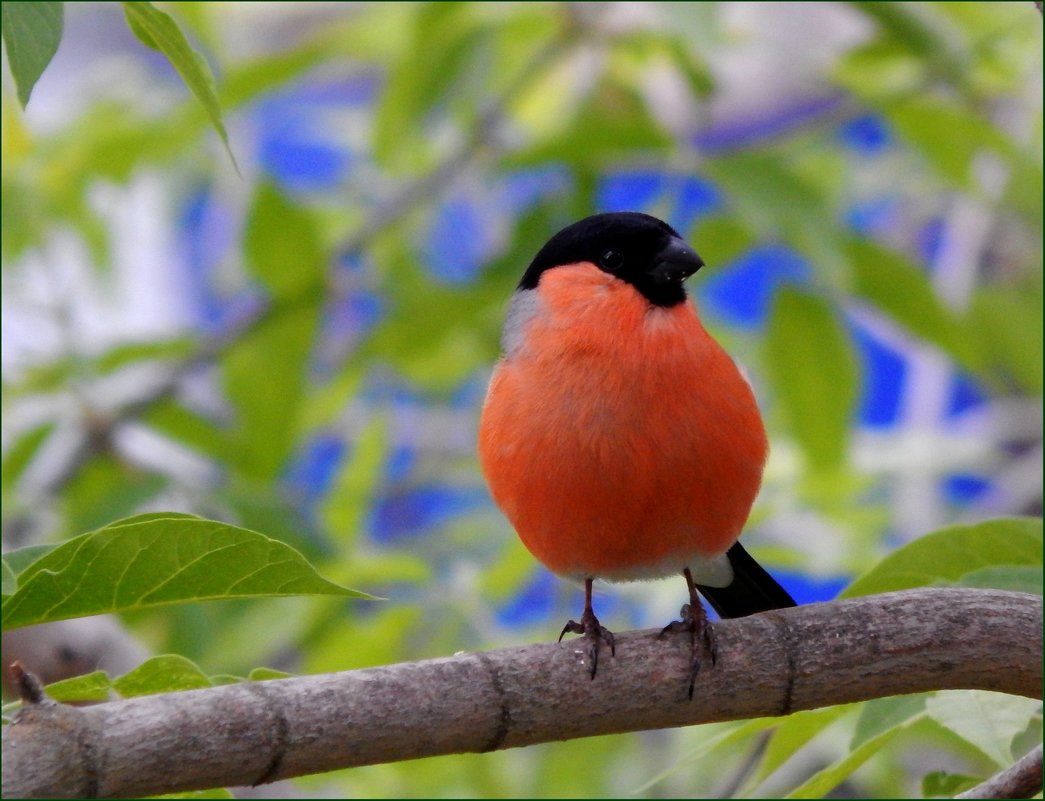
x,y
676,262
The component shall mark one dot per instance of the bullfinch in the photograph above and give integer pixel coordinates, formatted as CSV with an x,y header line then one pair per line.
x,y
618,438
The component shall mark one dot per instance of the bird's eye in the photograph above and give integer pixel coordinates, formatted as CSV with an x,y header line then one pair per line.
x,y
612,260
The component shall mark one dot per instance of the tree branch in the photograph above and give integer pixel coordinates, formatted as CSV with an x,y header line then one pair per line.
x,y
1022,780
769,664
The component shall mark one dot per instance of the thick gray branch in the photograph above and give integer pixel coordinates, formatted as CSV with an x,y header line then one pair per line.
x,y
769,664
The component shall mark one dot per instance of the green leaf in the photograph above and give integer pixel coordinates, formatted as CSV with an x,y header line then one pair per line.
x,y
222,679
172,419
814,374
14,562
216,792
10,580
106,489
159,561
146,517
21,453
267,674
159,31
948,136
1007,577
954,552
284,251
95,686
421,335
724,734
168,673
640,47
131,352
265,381
925,33
159,674
353,489
720,239
612,124
880,715
781,203
442,39
32,32
822,782
787,739
282,245
990,721
899,288
880,71
941,784
1008,321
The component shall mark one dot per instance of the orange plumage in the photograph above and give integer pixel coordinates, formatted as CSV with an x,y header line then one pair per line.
x,y
620,440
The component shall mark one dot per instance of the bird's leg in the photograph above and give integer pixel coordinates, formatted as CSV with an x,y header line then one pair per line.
x,y
590,627
701,634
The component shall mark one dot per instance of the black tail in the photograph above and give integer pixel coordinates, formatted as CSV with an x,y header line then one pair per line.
x,y
752,589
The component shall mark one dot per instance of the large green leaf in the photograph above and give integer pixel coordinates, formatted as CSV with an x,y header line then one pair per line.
x,y
14,562
990,721
947,555
813,369
32,32
159,560
159,31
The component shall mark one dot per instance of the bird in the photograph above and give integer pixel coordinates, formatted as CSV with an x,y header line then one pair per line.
x,y
618,437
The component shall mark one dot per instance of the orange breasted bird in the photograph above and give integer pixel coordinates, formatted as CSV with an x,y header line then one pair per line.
x,y
618,438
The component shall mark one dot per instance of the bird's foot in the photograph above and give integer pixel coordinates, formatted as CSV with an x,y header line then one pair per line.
x,y
701,638
595,633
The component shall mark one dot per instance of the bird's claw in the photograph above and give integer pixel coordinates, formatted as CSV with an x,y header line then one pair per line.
x,y
702,638
596,634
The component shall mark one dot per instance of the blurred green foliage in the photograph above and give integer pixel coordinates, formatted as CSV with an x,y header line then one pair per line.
x,y
470,94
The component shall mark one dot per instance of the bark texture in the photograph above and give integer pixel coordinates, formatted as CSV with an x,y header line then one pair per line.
x,y
768,664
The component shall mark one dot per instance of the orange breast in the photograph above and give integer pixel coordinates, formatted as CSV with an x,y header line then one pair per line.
x,y
618,438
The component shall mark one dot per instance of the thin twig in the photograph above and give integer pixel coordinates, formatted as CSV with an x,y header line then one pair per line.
x,y
29,687
1022,780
